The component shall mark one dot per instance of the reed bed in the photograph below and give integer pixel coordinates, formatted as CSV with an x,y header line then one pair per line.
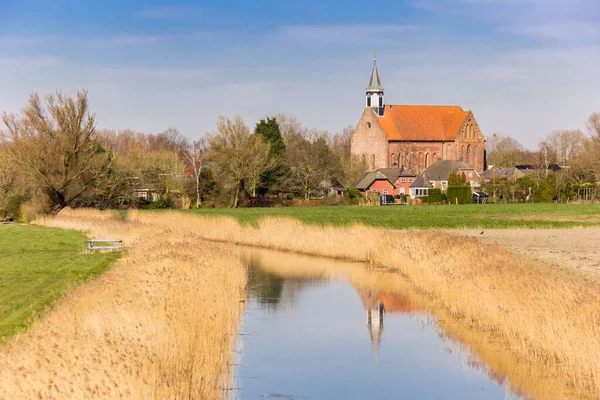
x,y
541,316
160,324
129,322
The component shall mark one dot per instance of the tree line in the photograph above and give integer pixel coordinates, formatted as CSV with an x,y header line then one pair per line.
x,y
53,156
565,166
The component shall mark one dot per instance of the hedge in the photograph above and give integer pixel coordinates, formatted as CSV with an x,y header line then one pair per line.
x,y
462,193
434,196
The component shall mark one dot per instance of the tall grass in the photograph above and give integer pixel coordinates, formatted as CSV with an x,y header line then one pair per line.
x,y
539,315
160,324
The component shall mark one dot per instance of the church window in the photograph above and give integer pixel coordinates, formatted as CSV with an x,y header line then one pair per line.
x,y
368,125
426,160
369,101
393,160
380,101
468,156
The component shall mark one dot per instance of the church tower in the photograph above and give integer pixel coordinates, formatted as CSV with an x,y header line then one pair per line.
x,y
374,92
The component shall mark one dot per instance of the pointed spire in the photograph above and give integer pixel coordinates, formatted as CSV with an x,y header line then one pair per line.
x,y
374,83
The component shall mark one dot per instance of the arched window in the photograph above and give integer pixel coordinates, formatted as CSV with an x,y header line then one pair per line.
x,y
419,160
434,158
426,160
468,156
393,160
368,100
380,101
462,152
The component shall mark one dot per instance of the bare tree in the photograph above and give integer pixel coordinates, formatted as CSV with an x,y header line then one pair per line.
x,y
194,154
56,141
239,155
311,163
565,144
503,150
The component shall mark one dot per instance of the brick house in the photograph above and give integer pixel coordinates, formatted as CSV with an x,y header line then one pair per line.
x,y
374,182
414,136
392,181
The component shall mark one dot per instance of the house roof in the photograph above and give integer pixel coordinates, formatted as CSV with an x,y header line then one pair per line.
x,y
421,182
418,123
440,171
394,173
366,179
506,173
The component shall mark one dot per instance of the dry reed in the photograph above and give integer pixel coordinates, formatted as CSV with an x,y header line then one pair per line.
x,y
541,316
160,324
536,315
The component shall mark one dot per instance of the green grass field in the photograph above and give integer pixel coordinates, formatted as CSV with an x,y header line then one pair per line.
x,y
36,265
431,216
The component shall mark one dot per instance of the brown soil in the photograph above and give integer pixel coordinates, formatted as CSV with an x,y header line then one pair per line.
x,y
574,250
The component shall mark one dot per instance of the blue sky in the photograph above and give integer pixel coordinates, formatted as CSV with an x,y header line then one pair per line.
x,y
525,67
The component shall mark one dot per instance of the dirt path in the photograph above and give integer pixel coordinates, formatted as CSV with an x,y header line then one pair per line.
x,y
570,249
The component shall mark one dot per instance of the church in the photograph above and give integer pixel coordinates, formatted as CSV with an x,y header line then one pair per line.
x,y
414,136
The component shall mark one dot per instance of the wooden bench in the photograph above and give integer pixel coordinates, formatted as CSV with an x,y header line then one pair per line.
x,y
100,244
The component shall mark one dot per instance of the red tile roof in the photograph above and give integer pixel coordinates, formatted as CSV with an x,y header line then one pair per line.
x,y
417,123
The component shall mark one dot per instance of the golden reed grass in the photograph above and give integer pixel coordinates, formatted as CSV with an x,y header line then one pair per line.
x,y
541,316
160,324
535,315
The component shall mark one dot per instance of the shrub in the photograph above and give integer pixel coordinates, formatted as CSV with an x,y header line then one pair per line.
x,y
158,205
460,194
434,196
353,195
12,209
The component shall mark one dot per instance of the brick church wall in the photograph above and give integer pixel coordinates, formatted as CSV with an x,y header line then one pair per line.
x,y
369,141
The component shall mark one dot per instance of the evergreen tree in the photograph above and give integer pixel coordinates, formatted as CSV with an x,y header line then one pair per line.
x,y
269,130
271,179
453,179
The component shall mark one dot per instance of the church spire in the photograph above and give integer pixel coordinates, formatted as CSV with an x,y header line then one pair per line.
x,y
374,91
374,82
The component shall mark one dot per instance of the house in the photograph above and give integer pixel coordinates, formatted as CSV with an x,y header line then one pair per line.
x,y
439,173
391,181
414,136
420,187
334,189
494,173
401,177
374,182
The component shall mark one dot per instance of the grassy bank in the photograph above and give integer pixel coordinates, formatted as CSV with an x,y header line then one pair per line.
x,y
428,217
160,324
37,265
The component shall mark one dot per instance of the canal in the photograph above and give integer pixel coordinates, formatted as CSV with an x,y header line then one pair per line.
x,y
317,328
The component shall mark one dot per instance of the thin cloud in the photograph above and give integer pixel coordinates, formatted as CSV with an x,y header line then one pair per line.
x,y
577,31
168,13
345,34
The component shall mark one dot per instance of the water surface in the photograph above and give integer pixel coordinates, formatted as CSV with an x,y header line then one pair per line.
x,y
310,333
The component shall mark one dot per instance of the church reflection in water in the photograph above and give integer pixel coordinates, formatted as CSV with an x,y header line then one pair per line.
x,y
376,305
273,291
